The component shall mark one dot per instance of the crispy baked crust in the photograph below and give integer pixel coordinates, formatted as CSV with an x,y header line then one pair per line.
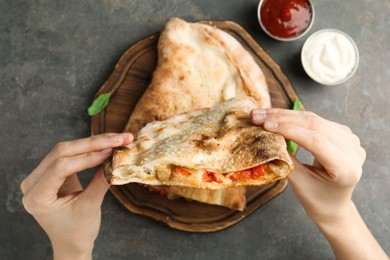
x,y
221,140
198,66
179,84
231,197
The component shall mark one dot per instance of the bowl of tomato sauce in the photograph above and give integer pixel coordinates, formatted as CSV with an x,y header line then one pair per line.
x,y
285,20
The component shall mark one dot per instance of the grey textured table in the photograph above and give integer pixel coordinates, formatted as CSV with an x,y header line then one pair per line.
x,y
54,55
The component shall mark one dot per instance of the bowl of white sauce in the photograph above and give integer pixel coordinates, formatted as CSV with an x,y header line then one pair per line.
x,y
330,57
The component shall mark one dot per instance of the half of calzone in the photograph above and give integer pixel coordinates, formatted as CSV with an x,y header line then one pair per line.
x,y
199,66
207,148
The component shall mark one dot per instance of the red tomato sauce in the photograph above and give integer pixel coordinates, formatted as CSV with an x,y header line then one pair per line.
x,y
161,192
210,176
182,172
286,18
254,173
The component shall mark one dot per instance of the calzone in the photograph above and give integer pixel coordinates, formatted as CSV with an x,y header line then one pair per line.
x,y
199,66
206,148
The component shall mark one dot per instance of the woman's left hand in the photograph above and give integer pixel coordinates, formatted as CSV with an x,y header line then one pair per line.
x,y
69,214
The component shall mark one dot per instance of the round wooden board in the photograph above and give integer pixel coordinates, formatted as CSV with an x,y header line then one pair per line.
x,y
128,81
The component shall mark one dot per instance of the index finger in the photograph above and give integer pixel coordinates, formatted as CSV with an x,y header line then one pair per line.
x,y
90,144
76,147
306,119
325,151
44,192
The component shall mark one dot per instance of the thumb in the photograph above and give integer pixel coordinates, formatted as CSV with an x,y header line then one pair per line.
x,y
296,176
302,177
97,188
306,176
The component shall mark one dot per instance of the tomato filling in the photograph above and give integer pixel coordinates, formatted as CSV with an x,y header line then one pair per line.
x,y
161,192
248,174
210,176
182,172
253,173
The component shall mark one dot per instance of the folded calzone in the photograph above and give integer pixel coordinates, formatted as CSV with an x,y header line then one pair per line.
x,y
199,66
207,148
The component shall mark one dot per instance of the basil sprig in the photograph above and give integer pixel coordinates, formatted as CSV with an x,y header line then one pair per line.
x,y
99,104
292,146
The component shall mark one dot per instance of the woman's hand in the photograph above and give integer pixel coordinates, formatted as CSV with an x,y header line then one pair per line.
x,y
324,188
69,214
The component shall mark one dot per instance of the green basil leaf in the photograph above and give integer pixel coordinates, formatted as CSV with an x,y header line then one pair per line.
x,y
297,105
291,146
99,104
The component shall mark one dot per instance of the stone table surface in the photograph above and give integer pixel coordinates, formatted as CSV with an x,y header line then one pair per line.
x,y
54,56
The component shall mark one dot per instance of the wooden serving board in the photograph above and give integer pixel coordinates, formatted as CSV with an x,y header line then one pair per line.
x,y
128,81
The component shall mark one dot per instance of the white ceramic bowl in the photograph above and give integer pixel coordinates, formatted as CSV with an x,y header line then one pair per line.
x,y
282,38
330,57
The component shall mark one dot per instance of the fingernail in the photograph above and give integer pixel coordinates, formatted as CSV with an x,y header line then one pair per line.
x,y
126,136
259,115
271,124
116,139
120,138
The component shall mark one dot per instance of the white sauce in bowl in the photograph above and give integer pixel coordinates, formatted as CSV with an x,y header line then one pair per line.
x,y
330,57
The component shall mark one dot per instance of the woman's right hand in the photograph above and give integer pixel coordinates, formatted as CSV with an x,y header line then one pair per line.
x,y
325,187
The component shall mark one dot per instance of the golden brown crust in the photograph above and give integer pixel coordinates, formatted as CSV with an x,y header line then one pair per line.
x,y
178,85
221,140
198,66
232,197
